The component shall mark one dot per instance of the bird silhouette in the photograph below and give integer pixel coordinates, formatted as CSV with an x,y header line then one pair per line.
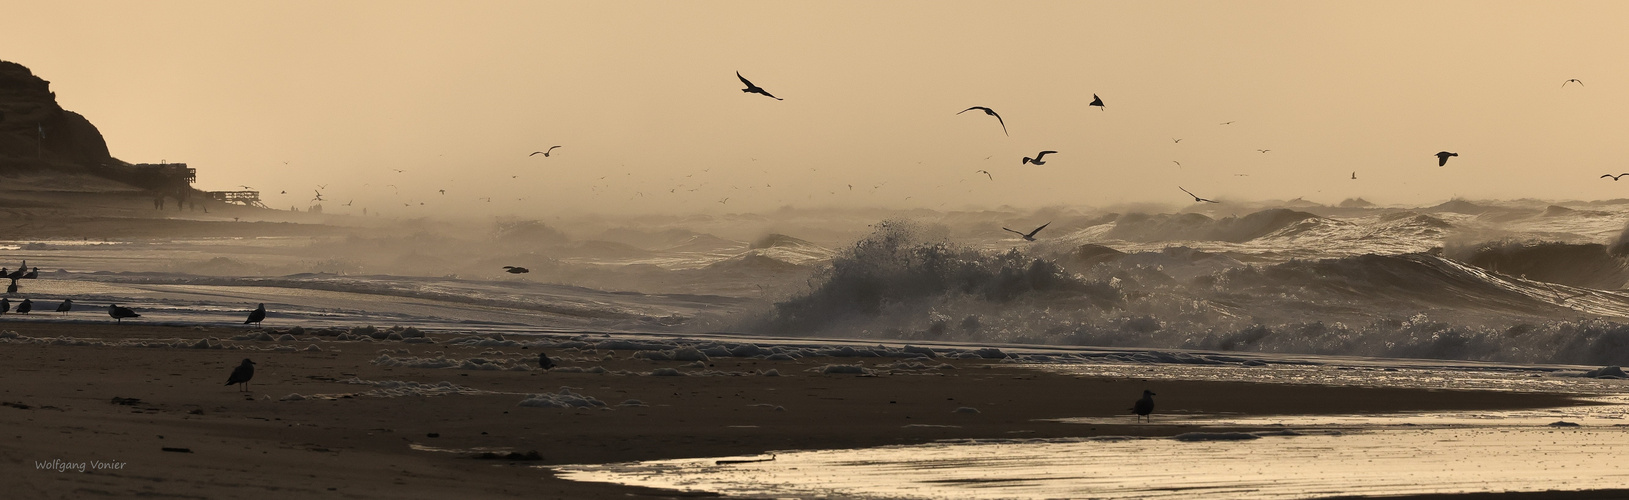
x,y
1145,406
5,305
990,112
545,153
25,307
1263,150
120,313
1178,163
319,195
544,362
1196,197
754,89
1031,235
1098,101
1176,140
241,375
1037,159
986,173
12,288
1354,175
1228,122
1442,157
65,306
1615,177
516,270
32,274
256,316
1570,80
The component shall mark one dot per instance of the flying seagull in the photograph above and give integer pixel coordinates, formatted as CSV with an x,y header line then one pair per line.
x,y
1144,406
256,316
1196,197
1178,163
1442,157
65,306
1031,235
1230,122
242,374
1615,177
1580,82
516,270
754,89
990,112
1354,175
1037,159
545,153
1263,150
1176,140
986,173
1098,101
120,313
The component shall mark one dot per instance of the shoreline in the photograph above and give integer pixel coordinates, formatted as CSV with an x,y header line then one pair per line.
x,y
59,406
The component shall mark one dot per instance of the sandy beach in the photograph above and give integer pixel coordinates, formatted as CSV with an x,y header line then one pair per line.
x,y
128,404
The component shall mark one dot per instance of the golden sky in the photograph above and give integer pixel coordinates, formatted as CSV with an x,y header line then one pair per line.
x,y
291,95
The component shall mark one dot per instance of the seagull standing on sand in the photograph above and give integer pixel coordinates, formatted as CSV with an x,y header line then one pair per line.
x,y
256,316
1037,159
990,112
516,270
65,306
120,313
1144,406
754,89
544,362
25,307
545,153
1031,235
5,305
242,374
32,274
1442,157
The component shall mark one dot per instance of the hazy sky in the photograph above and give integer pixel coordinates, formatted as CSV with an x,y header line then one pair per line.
x,y
290,95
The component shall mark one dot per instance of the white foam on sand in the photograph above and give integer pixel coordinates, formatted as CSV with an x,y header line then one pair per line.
x,y
1212,465
566,398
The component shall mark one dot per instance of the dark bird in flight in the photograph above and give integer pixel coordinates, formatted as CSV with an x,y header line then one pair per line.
x,y
319,195
544,362
120,313
545,153
25,307
256,316
1176,140
1228,122
990,112
1031,235
1615,177
1263,150
986,173
1178,163
241,375
753,89
65,306
1144,406
1037,159
516,270
1098,101
1442,157
1196,197
1354,175
1570,80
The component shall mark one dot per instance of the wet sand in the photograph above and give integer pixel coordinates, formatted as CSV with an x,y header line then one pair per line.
x,y
340,444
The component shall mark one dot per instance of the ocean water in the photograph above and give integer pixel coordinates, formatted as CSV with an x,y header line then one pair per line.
x,y
1509,281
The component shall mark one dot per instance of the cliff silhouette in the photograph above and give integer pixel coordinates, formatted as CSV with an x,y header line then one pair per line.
x,y
36,133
